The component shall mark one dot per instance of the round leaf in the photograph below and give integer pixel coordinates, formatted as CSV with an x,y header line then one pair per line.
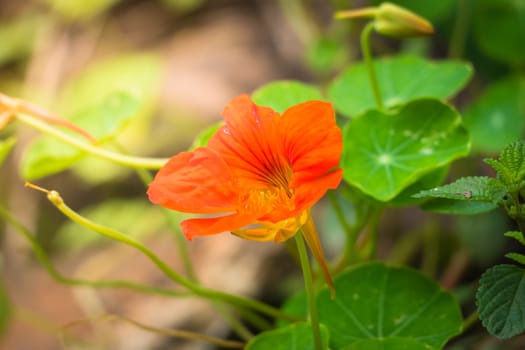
x,y
297,336
385,153
281,95
400,79
377,304
501,300
497,117
499,29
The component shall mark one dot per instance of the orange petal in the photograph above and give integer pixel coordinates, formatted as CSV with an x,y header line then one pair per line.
x,y
194,182
256,234
249,142
309,193
211,226
312,240
311,140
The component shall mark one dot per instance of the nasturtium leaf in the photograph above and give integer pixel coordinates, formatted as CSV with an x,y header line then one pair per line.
x,y
384,153
517,235
46,156
401,79
281,95
501,300
497,117
297,336
5,147
499,31
391,343
204,136
296,305
470,188
432,179
376,303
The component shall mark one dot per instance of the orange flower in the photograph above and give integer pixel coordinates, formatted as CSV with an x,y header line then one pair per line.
x,y
262,171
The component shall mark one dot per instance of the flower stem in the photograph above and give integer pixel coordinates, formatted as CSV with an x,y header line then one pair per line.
x,y
132,162
310,294
237,301
367,55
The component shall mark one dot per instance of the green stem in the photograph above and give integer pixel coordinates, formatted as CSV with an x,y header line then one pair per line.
x,y
470,321
367,55
53,272
373,234
54,197
460,31
182,246
310,293
132,162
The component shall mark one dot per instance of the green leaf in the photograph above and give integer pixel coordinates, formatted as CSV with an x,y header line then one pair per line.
x,y
47,156
519,258
455,207
204,136
376,303
385,153
401,79
5,147
517,235
470,188
297,336
499,31
432,179
325,55
391,343
281,95
501,300
497,117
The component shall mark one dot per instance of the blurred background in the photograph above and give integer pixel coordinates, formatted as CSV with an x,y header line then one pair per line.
x,y
183,60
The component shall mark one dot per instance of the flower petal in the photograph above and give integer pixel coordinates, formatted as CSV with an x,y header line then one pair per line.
x,y
249,143
194,182
311,140
210,226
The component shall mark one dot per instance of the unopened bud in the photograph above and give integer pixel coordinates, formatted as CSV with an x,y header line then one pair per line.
x,y
398,22
392,20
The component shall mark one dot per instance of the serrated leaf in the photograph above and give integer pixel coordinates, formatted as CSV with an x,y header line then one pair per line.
x,y
470,188
281,95
517,235
376,303
385,153
47,156
204,136
297,336
455,207
5,147
497,116
401,79
432,179
519,258
501,300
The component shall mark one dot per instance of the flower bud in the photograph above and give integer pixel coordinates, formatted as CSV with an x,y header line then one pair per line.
x,y
392,20
397,22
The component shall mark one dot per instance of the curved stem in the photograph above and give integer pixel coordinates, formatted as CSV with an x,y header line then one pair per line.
x,y
55,198
367,55
132,162
310,293
53,272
